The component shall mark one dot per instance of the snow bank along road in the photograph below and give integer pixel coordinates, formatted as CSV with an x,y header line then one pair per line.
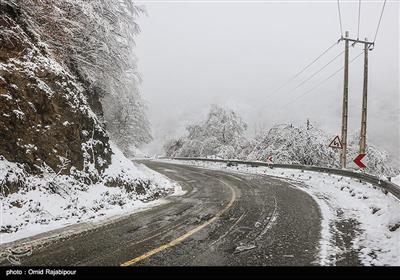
x,y
223,219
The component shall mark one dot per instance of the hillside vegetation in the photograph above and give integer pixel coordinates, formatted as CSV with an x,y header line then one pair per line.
x,y
221,135
61,62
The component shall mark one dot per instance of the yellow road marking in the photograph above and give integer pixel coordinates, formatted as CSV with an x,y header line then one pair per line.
x,y
186,235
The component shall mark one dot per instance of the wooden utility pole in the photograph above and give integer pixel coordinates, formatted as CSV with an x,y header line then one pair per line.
x,y
363,131
345,101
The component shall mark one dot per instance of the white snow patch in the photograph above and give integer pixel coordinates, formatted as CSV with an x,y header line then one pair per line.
x,y
6,96
138,153
396,180
52,201
19,114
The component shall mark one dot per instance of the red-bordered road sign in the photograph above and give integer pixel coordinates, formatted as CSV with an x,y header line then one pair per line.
x,y
336,143
358,161
270,159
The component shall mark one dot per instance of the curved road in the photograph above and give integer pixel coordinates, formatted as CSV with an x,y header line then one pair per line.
x,y
223,219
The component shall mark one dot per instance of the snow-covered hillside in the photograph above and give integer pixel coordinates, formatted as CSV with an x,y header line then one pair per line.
x,y
396,180
46,121
57,165
49,200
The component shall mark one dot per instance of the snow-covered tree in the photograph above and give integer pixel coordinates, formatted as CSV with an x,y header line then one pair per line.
x,y
128,125
173,146
221,135
225,125
95,37
309,145
376,159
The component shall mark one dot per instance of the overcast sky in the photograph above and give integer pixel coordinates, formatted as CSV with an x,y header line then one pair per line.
x,y
194,54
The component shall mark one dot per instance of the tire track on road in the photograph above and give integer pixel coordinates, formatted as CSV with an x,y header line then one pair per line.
x,y
188,234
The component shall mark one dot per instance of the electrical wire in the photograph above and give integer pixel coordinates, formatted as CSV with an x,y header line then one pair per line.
x,y
318,71
380,19
319,84
302,70
340,19
310,77
359,16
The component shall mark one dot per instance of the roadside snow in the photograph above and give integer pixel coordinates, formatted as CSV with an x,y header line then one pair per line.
x,y
137,153
396,180
341,198
52,201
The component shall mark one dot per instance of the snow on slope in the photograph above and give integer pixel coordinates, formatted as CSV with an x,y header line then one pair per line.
x,y
36,208
48,123
396,180
137,153
375,215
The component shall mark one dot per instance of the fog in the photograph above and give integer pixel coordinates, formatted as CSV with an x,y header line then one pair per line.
x,y
236,54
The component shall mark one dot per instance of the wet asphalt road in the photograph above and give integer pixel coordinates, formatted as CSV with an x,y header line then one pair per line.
x,y
223,219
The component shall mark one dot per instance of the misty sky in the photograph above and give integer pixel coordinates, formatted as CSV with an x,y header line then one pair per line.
x,y
194,54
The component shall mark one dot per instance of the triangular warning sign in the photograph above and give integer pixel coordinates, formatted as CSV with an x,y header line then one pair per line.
x,y
336,143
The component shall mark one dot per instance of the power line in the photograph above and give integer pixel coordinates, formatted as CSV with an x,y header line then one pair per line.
x,y
380,18
318,71
319,84
340,19
359,14
302,70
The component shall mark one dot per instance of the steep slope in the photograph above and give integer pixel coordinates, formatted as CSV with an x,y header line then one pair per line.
x,y
46,121
57,165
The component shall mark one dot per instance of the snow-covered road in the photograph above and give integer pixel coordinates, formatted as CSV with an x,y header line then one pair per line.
x,y
223,219
373,216
242,215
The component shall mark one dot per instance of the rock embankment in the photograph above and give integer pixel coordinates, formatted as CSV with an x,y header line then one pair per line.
x,y
46,120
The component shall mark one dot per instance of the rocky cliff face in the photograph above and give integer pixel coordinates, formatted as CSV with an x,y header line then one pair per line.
x,y
46,120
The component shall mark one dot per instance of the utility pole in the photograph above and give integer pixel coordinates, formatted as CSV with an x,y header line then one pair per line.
x,y
345,100
363,131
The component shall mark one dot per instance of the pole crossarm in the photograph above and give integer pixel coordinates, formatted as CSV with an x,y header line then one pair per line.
x,y
357,41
